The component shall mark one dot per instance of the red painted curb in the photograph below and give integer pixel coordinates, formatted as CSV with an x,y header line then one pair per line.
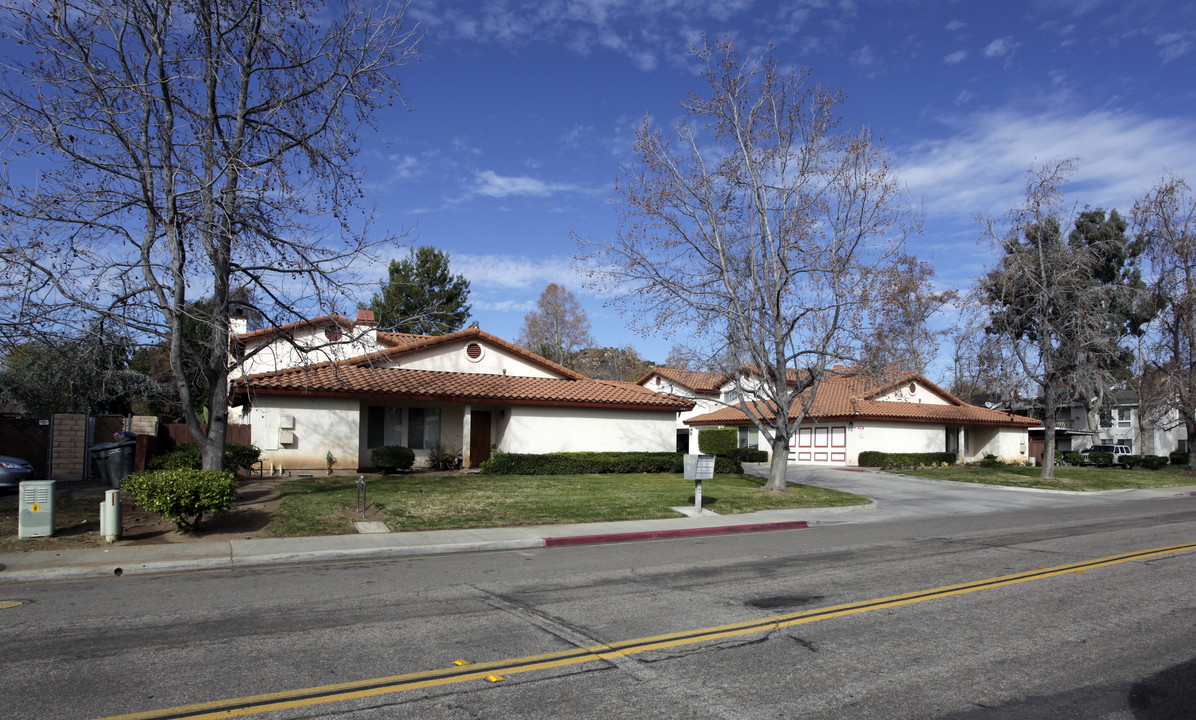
x,y
665,534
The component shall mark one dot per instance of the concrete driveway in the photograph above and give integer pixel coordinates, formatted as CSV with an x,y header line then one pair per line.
x,y
900,496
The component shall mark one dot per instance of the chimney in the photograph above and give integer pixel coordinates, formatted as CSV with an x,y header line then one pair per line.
x,y
366,327
238,323
365,317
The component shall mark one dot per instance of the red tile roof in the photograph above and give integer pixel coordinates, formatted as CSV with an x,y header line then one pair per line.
x,y
851,394
695,380
352,380
317,322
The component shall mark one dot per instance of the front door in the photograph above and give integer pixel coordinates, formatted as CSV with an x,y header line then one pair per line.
x,y
479,437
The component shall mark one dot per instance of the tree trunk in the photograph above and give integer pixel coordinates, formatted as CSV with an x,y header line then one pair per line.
x,y
1049,408
1190,426
777,468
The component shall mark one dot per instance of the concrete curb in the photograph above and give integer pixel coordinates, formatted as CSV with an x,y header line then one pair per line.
x,y
669,534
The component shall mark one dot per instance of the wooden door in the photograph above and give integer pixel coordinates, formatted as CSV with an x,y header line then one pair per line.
x,y
479,437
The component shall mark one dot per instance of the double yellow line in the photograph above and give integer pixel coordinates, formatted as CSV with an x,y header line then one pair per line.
x,y
463,673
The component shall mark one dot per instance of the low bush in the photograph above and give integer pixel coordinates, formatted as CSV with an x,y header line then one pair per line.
x,y
875,458
186,456
1153,462
1073,458
183,495
718,441
392,457
1131,461
580,463
743,455
991,461
1100,459
443,457
1179,457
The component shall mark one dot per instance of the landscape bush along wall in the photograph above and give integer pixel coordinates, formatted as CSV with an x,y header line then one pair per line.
x,y
1179,457
1146,462
392,457
718,441
875,458
186,456
744,454
582,463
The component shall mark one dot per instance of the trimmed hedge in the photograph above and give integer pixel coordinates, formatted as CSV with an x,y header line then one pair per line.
x,y
718,441
1179,457
746,454
392,457
875,458
186,456
583,463
1100,459
183,495
1146,462
1073,458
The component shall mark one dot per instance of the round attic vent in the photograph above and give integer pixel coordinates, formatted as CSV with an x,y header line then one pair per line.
x,y
473,351
913,388
332,332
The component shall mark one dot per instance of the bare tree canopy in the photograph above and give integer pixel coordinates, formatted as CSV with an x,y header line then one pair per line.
x,y
1166,222
558,328
163,151
763,227
901,331
1050,300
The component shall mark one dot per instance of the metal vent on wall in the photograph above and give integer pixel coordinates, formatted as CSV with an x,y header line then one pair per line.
x,y
473,351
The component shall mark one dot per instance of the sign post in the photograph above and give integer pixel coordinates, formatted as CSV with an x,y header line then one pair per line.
x,y
698,468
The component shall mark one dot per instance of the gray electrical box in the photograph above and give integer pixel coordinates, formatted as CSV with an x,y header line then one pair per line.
x,y
36,517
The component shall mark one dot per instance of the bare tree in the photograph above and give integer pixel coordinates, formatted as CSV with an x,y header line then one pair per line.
x,y
980,363
761,224
901,331
558,327
1047,303
162,151
1166,222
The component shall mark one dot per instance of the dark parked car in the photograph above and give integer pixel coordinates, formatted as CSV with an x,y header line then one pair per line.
x,y
13,471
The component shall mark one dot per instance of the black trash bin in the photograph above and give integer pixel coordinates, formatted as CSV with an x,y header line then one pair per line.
x,y
120,461
100,452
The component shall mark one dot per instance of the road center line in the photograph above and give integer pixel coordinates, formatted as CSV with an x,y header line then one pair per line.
x,y
608,652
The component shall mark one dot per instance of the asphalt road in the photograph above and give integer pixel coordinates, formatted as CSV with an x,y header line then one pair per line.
x,y
1057,640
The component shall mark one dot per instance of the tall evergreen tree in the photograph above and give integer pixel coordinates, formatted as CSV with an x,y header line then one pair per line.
x,y
421,296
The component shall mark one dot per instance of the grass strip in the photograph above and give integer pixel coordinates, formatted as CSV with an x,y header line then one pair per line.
x,y
323,506
1083,479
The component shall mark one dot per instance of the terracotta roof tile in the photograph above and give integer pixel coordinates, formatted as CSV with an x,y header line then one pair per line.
x,y
849,394
696,380
346,380
419,342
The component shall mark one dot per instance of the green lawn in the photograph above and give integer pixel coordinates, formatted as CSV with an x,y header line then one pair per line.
x,y
425,502
1066,478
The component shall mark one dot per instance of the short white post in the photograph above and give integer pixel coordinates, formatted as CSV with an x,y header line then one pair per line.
x,y
698,494
110,516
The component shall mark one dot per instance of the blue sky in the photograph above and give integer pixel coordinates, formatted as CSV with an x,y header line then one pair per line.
x,y
521,114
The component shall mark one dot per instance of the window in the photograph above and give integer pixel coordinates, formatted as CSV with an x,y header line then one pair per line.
x,y
1123,417
749,437
423,430
384,426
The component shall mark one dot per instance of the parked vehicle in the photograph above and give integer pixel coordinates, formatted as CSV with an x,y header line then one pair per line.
x,y
13,471
1117,451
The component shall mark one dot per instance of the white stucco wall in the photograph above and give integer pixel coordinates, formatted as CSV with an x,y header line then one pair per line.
x,y
1009,444
543,429
451,357
921,394
321,425
891,437
270,354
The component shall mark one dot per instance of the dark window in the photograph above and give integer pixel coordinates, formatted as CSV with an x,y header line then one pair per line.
x,y
423,429
384,426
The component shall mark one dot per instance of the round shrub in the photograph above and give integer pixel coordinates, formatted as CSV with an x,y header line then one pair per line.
x,y
186,456
1073,458
184,495
392,457
238,456
1179,457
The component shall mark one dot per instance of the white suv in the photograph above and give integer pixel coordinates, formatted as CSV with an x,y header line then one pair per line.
x,y
1117,451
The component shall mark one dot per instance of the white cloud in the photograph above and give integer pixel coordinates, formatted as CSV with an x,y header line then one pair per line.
x,y
491,184
956,25
982,167
517,306
864,57
964,97
956,57
998,47
1174,45
511,271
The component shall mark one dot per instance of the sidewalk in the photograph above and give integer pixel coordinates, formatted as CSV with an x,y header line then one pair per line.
x,y
225,555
